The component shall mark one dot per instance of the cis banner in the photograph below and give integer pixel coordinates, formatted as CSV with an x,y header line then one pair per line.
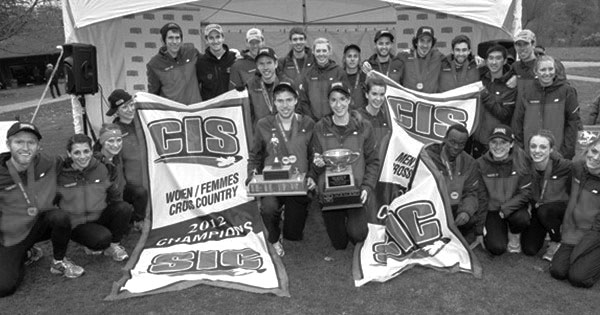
x,y
410,220
204,228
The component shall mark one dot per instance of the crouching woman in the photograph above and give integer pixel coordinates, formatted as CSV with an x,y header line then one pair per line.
x,y
99,219
578,258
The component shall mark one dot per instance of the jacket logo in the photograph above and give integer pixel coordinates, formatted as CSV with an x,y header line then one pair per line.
x,y
492,175
70,185
11,187
534,101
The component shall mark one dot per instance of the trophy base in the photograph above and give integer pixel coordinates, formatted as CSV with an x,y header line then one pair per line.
x,y
295,186
340,198
283,172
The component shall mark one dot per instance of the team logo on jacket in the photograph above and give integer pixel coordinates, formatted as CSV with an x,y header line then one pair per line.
x,y
208,140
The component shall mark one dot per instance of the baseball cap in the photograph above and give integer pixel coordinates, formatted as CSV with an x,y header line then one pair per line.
x,y
382,33
351,46
526,36
117,98
169,27
266,51
213,27
502,131
284,85
425,31
254,34
339,86
23,126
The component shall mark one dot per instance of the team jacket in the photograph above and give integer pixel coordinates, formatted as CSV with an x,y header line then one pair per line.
x,y
115,173
583,210
287,68
508,190
556,179
213,74
131,154
175,78
297,145
356,82
358,136
554,108
242,70
429,70
313,101
393,68
259,107
451,77
462,182
498,103
84,194
15,223
525,70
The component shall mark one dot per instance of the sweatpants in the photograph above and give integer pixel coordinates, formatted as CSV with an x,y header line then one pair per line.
x,y
497,229
545,219
54,225
580,263
110,227
296,211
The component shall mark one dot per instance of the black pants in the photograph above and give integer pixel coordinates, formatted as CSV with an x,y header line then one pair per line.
x,y
137,196
296,211
545,219
55,86
54,225
346,225
110,227
468,229
582,269
497,228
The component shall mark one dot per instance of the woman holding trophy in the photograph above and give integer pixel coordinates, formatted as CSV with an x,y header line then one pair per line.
x,y
345,166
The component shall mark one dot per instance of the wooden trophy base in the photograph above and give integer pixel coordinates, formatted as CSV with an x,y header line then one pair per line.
x,y
294,186
283,172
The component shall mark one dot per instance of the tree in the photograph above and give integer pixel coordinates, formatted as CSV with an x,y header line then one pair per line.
x,y
16,15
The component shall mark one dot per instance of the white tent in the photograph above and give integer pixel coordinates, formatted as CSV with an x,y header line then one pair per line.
x,y
125,33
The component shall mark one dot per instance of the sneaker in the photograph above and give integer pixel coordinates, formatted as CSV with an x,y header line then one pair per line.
x,y
138,226
91,251
278,248
514,243
33,254
552,248
66,268
116,251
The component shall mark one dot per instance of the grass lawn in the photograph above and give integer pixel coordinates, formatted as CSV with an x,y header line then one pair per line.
x,y
593,72
510,284
24,94
574,53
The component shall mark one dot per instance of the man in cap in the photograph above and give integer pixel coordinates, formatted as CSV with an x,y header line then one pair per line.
x,y
524,68
27,212
122,105
172,72
299,59
459,68
422,64
291,133
260,86
213,69
355,77
53,80
243,69
384,60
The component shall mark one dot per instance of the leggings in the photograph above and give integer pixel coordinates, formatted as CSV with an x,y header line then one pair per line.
x,y
545,219
137,196
295,216
580,263
110,227
497,228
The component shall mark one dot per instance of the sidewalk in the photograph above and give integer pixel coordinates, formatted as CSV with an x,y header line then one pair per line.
x,y
33,103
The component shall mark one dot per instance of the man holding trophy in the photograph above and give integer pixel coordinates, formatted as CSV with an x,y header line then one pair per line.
x,y
280,153
346,166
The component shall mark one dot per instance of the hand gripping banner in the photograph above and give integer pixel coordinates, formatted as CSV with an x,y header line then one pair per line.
x,y
410,221
204,229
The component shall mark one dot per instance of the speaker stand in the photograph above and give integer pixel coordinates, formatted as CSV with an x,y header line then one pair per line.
x,y
87,125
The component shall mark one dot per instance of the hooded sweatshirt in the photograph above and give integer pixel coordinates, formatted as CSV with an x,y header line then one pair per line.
x,y
313,100
213,73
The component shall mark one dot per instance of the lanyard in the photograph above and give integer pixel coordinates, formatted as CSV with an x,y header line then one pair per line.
x,y
447,164
357,80
296,63
547,174
387,72
265,94
17,179
282,130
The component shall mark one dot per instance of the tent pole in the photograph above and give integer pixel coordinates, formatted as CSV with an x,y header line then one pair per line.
x,y
304,13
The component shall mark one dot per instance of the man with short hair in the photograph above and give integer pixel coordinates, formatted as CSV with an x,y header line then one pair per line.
x,y
356,77
422,65
214,67
384,60
27,211
462,177
172,72
524,68
299,60
459,68
260,86
244,69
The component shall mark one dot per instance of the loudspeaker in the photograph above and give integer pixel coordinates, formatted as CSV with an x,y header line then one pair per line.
x,y
80,68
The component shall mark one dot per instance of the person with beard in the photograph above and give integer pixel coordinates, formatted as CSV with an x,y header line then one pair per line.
x,y
172,73
214,67
462,178
27,212
292,132
458,68
356,78
98,217
497,98
578,257
315,83
260,87
422,64
383,60
299,60
506,180
548,103
244,69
